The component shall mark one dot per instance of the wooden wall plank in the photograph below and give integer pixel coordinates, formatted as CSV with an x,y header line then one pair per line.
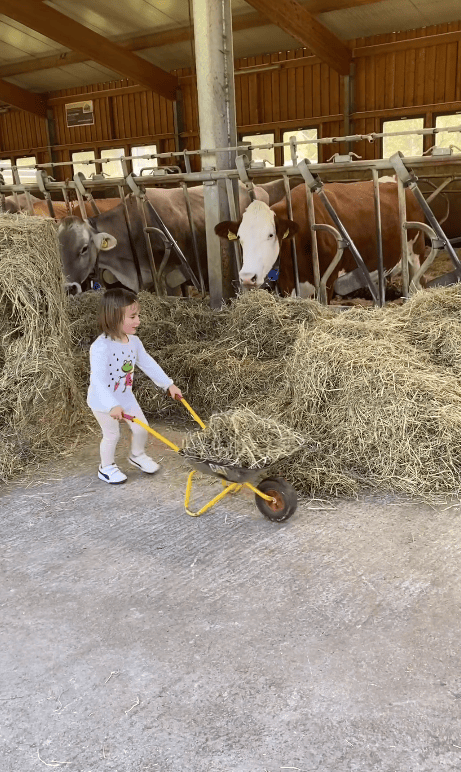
x,y
297,92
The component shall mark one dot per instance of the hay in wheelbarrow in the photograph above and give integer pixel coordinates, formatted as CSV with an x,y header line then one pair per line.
x,y
40,404
242,438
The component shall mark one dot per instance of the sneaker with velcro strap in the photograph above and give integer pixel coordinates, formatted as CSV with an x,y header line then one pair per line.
x,y
144,462
111,474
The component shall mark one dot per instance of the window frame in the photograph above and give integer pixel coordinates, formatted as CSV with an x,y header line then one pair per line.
x,y
399,120
293,131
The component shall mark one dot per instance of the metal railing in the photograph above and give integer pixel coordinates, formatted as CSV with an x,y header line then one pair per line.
x,y
313,176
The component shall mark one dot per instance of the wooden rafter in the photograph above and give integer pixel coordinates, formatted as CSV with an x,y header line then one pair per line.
x,y
69,33
24,100
300,24
168,37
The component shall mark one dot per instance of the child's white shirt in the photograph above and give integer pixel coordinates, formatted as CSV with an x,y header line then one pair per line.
x,y
112,366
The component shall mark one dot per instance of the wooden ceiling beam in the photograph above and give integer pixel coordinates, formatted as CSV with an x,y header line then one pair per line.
x,y
167,37
24,100
96,48
301,25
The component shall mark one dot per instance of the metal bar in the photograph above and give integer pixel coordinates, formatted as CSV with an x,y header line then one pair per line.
x,y
314,243
379,240
193,231
406,178
351,246
403,238
233,216
436,245
341,246
294,254
439,189
141,205
316,186
141,195
134,253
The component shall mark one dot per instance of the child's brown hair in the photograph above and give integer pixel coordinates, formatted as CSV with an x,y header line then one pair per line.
x,y
112,309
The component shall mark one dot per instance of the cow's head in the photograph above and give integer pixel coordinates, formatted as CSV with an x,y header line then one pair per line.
x,y
79,247
261,233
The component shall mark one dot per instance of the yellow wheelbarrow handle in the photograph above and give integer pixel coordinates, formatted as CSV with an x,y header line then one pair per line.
x,y
160,436
151,431
191,411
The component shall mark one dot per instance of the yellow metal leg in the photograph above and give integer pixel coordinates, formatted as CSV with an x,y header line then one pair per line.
x,y
231,488
258,493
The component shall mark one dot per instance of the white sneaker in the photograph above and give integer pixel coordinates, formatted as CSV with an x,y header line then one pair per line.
x,y
111,474
144,463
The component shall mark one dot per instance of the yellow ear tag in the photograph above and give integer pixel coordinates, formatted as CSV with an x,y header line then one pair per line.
x,y
104,243
287,233
231,236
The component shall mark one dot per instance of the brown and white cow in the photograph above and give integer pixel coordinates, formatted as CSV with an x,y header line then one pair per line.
x,y
265,232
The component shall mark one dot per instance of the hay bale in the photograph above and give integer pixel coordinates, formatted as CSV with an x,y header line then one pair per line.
x,y
243,438
39,401
383,416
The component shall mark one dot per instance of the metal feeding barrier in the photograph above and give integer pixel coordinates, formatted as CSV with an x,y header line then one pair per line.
x,y
249,174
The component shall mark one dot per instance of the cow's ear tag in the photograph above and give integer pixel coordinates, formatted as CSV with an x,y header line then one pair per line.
x,y
287,233
104,243
231,236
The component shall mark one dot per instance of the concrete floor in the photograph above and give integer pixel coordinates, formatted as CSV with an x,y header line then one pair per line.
x,y
134,638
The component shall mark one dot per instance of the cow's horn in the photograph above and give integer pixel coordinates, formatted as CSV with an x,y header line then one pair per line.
x,y
231,236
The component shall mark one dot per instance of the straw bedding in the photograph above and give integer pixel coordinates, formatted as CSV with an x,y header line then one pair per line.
x,y
337,402
39,401
374,395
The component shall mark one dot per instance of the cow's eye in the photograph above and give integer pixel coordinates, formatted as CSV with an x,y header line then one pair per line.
x,y
84,249
271,235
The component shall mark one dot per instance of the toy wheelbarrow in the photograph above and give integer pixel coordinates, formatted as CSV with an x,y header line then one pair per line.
x,y
274,496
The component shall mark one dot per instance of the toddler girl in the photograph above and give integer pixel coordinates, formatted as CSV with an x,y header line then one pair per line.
x,y
113,357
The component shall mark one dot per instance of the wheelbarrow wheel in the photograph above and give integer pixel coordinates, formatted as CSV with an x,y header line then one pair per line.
x,y
284,497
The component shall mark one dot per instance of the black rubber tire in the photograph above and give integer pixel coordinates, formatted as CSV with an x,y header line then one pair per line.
x,y
285,495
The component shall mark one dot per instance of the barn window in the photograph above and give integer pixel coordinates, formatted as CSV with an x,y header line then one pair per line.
x,y
452,138
112,168
303,151
266,155
26,175
408,144
5,169
80,162
143,163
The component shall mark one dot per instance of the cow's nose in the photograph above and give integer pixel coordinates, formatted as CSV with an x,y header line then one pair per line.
x,y
248,279
72,287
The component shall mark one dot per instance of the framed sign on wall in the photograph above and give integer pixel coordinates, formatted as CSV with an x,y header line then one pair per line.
x,y
80,113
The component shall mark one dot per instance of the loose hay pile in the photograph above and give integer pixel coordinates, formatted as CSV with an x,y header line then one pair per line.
x,y
375,391
242,438
39,402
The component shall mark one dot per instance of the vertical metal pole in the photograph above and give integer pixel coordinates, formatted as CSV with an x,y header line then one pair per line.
x,y
314,245
216,103
233,216
403,238
294,254
193,231
379,239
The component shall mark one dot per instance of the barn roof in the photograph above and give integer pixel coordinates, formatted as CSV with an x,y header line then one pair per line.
x,y
160,32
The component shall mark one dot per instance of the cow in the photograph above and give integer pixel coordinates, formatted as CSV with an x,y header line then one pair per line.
x,y
265,233
106,242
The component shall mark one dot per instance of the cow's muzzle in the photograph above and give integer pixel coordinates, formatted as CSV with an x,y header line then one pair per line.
x,y
72,287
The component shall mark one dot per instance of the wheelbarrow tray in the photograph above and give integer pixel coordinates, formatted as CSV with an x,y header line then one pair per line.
x,y
229,472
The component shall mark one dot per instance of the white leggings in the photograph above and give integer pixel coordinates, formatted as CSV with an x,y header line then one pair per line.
x,y
111,434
